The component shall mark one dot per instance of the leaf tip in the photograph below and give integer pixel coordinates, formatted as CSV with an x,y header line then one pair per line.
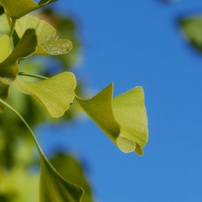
x,y
125,145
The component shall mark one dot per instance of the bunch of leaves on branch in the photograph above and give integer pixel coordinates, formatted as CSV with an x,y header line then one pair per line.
x,y
123,118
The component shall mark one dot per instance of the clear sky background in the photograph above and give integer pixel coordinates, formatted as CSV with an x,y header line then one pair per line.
x,y
131,43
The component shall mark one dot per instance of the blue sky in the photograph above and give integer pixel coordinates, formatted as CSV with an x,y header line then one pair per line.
x,y
135,43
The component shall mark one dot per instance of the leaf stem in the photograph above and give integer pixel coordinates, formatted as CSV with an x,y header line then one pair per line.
x,y
9,20
25,123
12,27
32,75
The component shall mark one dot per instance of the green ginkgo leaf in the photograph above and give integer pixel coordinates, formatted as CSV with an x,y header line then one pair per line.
x,y
16,9
9,66
72,170
55,188
48,42
123,118
192,29
55,94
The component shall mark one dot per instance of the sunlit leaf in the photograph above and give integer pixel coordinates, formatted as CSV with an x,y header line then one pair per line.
x,y
9,67
55,94
70,168
123,118
192,29
55,188
18,8
48,42
4,91
67,29
130,112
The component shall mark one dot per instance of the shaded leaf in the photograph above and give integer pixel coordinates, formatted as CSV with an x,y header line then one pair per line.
x,y
55,188
26,46
18,8
4,91
55,94
123,118
69,167
48,42
1,10
192,29
52,186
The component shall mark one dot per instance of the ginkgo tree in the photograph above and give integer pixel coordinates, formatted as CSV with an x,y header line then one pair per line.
x,y
123,118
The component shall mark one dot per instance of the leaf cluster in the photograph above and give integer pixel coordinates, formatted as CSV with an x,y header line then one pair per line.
x,y
123,118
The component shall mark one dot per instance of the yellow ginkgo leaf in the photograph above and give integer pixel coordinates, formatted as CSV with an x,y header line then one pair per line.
x,y
55,94
48,42
123,118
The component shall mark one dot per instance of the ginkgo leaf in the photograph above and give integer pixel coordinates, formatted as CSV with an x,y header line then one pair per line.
x,y
129,110
9,62
16,9
55,188
55,94
123,118
192,30
72,170
48,42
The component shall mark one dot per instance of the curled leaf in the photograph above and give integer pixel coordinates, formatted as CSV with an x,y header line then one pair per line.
x,y
55,188
9,62
54,94
48,42
123,118
16,9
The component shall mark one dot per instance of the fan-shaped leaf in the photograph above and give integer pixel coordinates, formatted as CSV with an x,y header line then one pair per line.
x,y
55,94
123,118
9,63
48,42
55,188
18,8
72,170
